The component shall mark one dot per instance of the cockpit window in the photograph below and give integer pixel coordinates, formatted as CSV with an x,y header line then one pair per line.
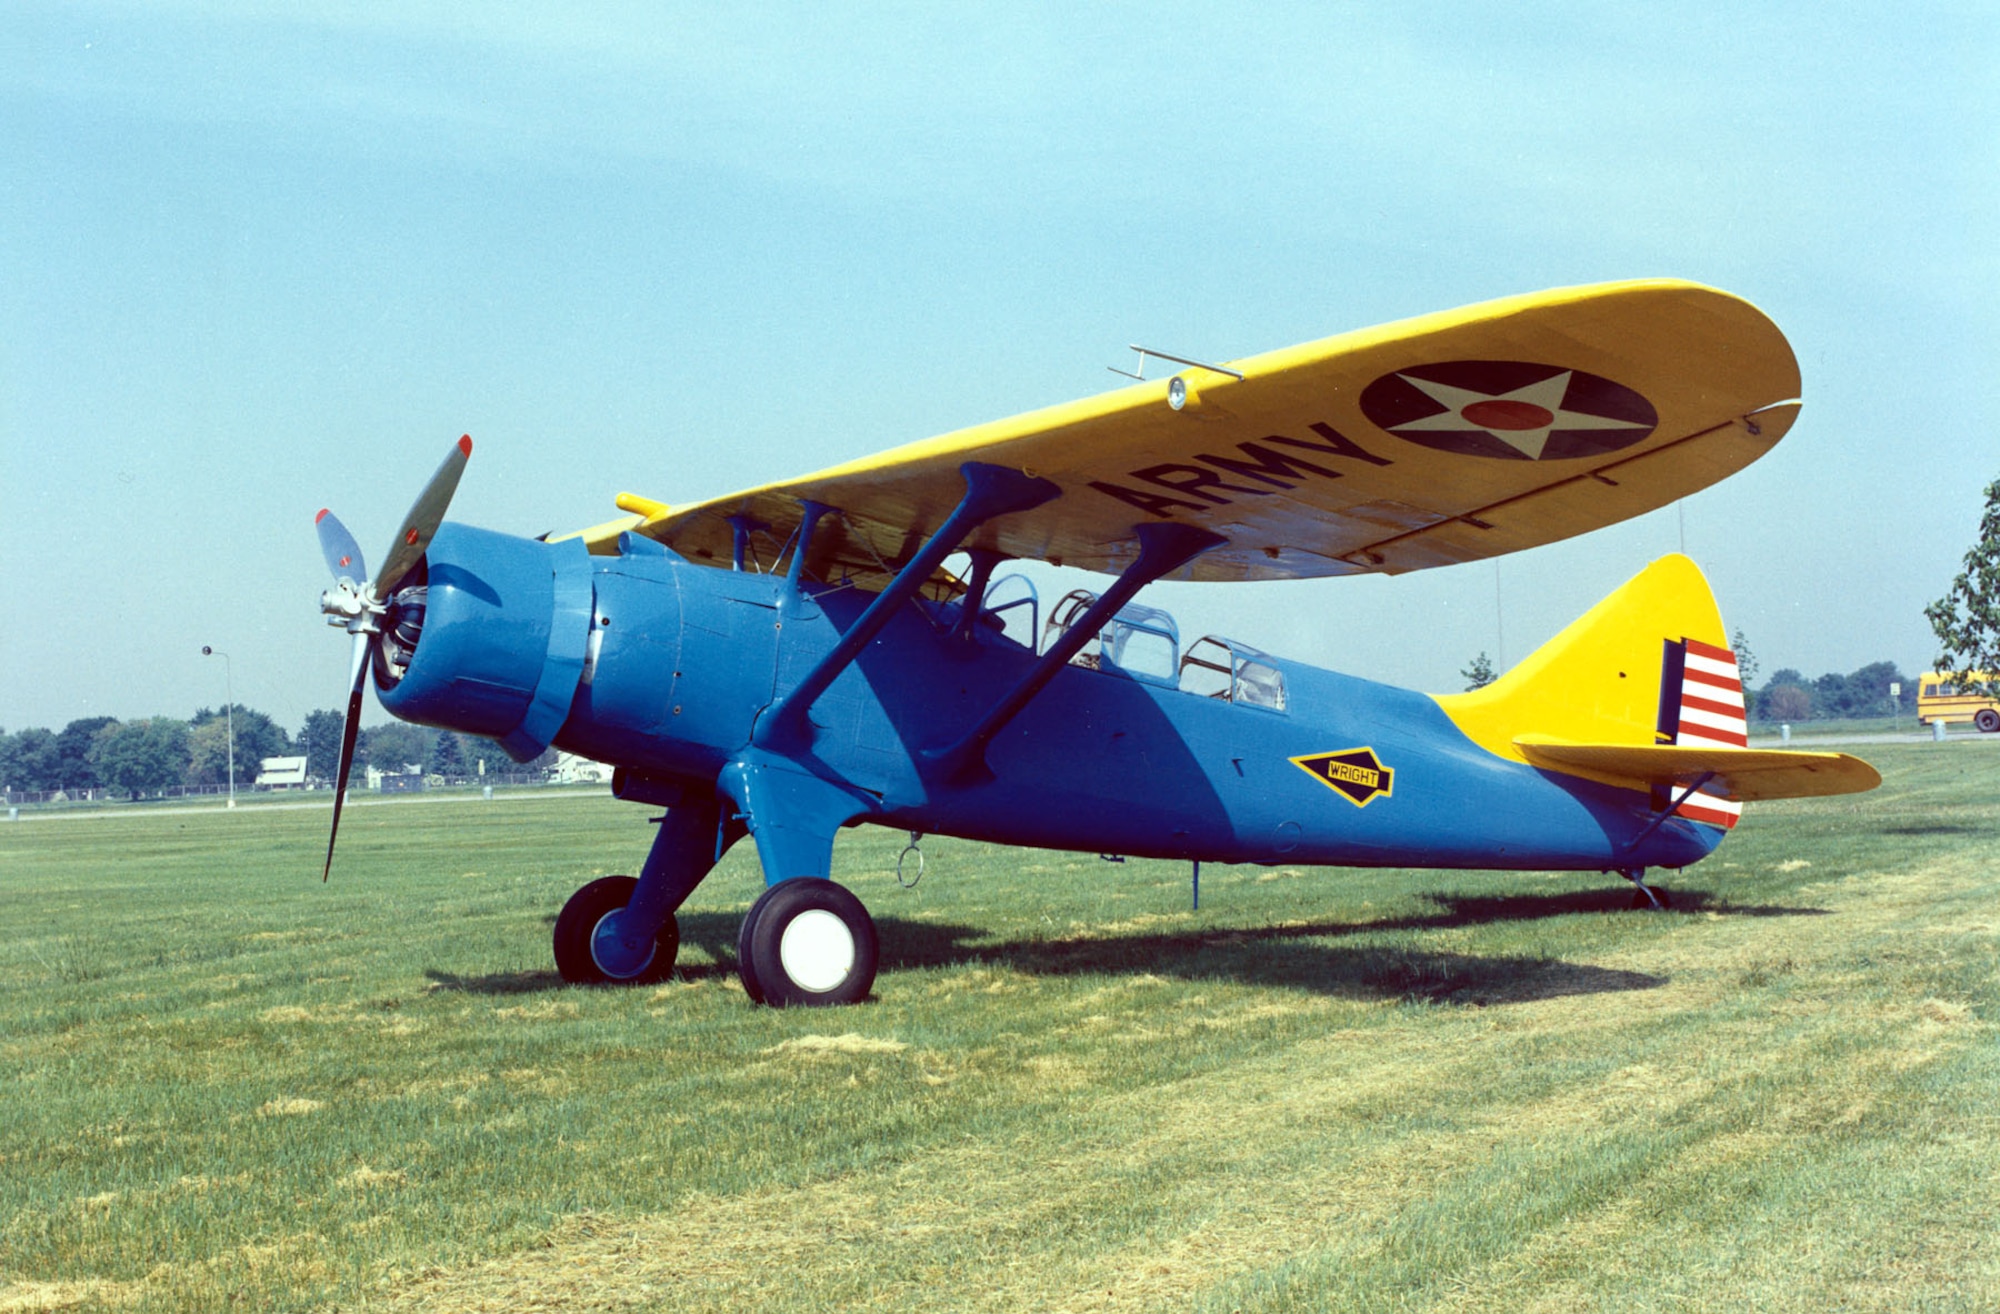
x,y
1011,606
1216,667
1142,642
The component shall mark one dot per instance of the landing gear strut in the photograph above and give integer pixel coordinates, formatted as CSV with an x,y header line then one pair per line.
x,y
619,930
1644,895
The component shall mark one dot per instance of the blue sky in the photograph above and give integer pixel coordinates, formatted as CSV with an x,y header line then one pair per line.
x,y
260,258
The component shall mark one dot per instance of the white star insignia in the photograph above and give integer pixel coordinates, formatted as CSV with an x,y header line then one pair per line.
x,y
1530,415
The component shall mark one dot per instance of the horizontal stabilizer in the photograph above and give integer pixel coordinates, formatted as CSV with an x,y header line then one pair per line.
x,y
1744,774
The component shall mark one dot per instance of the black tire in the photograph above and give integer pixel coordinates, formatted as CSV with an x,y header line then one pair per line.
x,y
807,942
745,969
578,921
1988,720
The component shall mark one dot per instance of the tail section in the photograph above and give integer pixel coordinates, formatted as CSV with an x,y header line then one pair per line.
x,y
1602,679
1642,692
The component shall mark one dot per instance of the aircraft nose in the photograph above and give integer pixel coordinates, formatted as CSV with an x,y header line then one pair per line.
x,y
497,648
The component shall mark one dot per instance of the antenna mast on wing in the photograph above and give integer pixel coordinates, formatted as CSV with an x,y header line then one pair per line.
x,y
1178,360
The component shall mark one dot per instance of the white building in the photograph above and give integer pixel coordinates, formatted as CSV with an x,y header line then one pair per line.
x,y
573,769
282,773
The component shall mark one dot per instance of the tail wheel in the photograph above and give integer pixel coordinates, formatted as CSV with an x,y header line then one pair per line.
x,y
807,942
1988,720
584,916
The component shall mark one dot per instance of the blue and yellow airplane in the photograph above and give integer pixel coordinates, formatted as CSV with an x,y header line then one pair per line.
x,y
786,661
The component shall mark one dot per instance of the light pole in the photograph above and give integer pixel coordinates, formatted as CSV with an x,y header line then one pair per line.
x,y
229,714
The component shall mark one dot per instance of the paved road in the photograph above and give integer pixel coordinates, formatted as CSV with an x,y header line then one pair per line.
x,y
1808,743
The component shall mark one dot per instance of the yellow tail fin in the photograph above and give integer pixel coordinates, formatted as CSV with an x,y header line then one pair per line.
x,y
1641,691
1599,681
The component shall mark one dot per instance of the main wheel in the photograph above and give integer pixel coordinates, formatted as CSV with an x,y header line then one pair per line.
x,y
807,941
1988,720
577,958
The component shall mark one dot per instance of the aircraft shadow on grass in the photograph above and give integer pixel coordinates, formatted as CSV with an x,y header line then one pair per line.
x,y
1921,828
1291,957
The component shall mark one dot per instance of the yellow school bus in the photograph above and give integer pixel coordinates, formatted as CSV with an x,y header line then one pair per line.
x,y
1942,697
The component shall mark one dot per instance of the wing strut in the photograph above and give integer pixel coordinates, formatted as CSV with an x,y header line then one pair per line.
x,y
983,562
1164,546
990,490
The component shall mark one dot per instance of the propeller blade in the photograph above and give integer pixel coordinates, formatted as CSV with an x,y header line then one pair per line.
x,y
421,525
342,553
364,647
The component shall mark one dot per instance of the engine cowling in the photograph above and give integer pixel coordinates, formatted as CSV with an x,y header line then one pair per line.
x,y
487,637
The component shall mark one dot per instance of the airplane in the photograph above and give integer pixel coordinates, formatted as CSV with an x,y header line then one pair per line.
x,y
790,660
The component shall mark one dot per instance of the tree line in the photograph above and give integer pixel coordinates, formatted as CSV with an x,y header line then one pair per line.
x,y
156,753
1789,695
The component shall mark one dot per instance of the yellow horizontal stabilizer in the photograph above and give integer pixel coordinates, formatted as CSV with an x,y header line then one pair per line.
x,y
1746,774
1447,438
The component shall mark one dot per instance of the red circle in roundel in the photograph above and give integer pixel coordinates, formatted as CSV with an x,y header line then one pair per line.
x,y
1498,414
1509,410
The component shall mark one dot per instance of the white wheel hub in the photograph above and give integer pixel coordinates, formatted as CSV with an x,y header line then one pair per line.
x,y
816,950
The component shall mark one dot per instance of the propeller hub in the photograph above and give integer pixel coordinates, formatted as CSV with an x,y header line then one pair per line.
x,y
350,607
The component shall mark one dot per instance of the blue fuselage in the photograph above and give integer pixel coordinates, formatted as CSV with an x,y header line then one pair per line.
x,y
663,667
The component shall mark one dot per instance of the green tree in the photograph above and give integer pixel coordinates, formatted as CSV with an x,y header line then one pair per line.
x,y
33,761
396,745
446,760
208,755
1966,619
1830,696
1786,698
257,737
1746,661
477,750
139,756
1479,674
72,745
1868,689
319,740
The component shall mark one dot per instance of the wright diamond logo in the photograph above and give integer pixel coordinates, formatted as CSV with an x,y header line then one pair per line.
x,y
1356,774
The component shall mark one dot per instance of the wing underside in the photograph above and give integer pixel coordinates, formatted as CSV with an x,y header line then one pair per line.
x,y
1443,439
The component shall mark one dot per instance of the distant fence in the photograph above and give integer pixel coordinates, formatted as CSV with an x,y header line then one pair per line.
x,y
174,793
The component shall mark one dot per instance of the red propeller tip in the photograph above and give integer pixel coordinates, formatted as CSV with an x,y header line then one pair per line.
x,y
323,514
465,444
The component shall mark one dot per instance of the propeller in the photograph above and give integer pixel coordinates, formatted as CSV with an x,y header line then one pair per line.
x,y
358,604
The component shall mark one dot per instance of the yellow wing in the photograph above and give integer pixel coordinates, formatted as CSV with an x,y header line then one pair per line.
x,y
1447,438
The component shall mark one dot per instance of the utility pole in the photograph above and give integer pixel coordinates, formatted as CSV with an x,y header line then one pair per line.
x,y
229,714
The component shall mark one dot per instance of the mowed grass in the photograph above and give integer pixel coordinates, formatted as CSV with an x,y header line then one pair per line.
x,y
226,1084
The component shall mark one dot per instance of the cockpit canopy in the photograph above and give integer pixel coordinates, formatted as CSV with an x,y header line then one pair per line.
x,y
1142,643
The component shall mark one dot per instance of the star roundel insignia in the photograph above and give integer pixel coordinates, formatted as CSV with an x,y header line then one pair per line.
x,y
1509,409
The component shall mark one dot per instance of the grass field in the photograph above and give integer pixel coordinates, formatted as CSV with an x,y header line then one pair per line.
x,y
227,1085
